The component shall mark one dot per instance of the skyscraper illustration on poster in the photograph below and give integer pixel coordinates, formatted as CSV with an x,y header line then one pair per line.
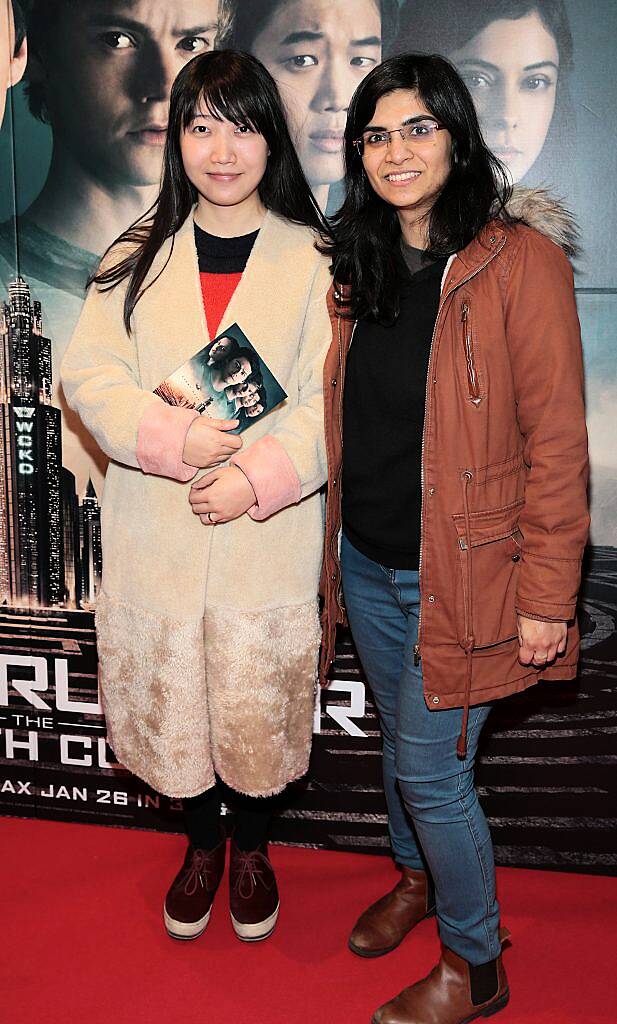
x,y
50,540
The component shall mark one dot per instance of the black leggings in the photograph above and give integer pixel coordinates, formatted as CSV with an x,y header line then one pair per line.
x,y
202,817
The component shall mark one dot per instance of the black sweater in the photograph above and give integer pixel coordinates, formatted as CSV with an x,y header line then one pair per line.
x,y
383,421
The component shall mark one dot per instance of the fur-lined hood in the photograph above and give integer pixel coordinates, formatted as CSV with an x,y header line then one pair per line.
x,y
540,209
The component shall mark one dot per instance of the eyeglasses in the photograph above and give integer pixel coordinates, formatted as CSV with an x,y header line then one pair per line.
x,y
418,132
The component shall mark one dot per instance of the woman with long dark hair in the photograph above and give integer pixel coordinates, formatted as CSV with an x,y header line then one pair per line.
x,y
515,56
464,515
207,672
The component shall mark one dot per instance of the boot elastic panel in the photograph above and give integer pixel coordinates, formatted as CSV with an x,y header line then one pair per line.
x,y
484,981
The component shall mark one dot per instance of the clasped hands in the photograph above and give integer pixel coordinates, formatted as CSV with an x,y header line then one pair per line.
x,y
225,493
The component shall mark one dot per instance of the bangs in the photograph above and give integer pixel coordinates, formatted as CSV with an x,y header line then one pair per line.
x,y
231,86
222,100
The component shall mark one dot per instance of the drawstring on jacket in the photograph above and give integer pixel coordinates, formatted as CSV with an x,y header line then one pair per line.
x,y
469,641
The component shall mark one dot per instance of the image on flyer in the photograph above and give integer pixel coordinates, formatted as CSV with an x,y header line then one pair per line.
x,y
226,380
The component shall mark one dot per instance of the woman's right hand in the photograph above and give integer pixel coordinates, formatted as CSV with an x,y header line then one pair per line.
x,y
207,443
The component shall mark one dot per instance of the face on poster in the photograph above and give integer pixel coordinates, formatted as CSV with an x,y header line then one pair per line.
x,y
317,51
13,49
512,70
101,73
515,58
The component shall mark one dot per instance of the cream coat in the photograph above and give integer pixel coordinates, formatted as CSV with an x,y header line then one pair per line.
x,y
208,636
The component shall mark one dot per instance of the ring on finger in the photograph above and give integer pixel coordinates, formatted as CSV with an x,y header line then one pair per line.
x,y
210,519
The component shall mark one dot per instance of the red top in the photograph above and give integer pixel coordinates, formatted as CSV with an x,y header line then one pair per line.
x,y
217,290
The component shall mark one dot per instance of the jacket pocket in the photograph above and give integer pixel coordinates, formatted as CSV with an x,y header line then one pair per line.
x,y
486,596
473,381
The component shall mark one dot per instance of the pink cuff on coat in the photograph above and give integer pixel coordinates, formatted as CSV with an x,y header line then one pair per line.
x,y
160,441
272,475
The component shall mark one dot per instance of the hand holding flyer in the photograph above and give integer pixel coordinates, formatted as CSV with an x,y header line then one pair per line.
x,y
208,442
225,380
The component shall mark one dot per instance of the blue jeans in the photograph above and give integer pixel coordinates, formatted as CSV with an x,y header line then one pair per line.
x,y
434,817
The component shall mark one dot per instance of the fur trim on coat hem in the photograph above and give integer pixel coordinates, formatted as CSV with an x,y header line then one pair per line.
x,y
153,691
261,669
241,704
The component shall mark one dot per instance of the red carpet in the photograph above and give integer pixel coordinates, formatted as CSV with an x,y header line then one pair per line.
x,y
84,942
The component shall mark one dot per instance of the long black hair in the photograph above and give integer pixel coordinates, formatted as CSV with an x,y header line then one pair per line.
x,y
366,232
442,26
234,86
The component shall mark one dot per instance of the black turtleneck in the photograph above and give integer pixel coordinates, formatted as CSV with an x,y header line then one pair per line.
x,y
223,255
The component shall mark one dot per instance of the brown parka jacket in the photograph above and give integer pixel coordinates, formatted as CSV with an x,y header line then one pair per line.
x,y
504,462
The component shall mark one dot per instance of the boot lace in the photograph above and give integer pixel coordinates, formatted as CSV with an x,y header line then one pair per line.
x,y
250,874
199,872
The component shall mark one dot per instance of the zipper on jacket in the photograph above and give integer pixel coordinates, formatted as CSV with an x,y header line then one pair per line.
x,y
472,375
340,363
417,651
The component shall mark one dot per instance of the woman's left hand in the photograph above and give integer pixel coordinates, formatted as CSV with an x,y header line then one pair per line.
x,y
222,495
540,642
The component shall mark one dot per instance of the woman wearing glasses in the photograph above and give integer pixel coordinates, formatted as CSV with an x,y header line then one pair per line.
x,y
464,516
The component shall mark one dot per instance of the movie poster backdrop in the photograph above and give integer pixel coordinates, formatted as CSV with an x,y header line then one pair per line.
x,y
80,156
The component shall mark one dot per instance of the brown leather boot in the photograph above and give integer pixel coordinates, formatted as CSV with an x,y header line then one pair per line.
x,y
385,924
453,993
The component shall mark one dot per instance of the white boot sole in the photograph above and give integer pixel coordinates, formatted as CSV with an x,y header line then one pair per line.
x,y
185,929
256,932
